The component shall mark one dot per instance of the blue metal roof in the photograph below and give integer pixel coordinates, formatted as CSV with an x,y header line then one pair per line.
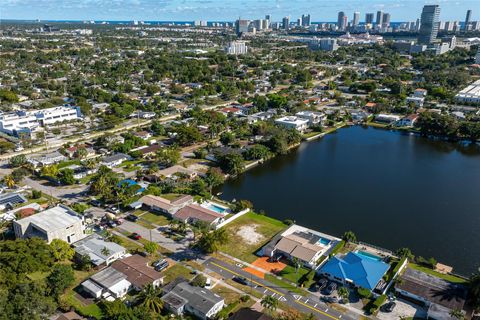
x,y
363,272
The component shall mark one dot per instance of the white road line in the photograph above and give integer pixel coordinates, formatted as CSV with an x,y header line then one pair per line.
x,y
265,290
339,316
306,301
326,310
315,305
273,295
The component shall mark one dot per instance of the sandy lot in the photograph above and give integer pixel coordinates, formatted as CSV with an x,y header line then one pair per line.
x,y
249,234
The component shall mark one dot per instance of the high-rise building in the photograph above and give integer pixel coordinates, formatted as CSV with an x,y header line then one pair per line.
x,y
342,21
386,20
306,20
241,26
468,20
356,19
369,18
429,24
286,23
268,19
379,17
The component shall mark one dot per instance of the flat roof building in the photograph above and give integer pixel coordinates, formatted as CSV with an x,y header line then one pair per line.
x,y
59,222
470,95
292,122
100,251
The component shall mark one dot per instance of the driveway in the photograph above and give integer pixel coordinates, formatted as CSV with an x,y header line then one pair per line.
x,y
155,236
403,309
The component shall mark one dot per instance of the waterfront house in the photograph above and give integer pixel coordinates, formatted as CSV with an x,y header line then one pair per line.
x,y
438,295
292,122
193,213
408,121
355,269
159,204
312,117
387,118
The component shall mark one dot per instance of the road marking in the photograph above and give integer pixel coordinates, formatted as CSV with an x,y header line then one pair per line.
x,y
273,290
273,294
282,299
315,305
326,310
306,301
339,316
296,296
265,290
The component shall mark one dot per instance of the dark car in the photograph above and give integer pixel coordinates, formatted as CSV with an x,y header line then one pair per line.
x,y
135,236
322,283
388,307
330,299
160,265
112,224
132,217
96,203
332,286
241,280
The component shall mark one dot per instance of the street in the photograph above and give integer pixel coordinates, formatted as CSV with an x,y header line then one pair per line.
x,y
309,304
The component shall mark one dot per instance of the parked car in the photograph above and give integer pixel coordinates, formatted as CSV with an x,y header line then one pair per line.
x,y
389,306
119,221
241,280
135,236
112,224
330,299
332,286
160,265
322,283
113,210
132,217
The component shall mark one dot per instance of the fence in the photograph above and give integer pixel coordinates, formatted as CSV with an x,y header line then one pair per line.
x,y
235,216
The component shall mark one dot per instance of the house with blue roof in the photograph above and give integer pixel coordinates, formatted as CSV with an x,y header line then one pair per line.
x,y
355,269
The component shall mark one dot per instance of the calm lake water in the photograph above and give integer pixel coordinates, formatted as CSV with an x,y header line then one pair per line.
x,y
393,190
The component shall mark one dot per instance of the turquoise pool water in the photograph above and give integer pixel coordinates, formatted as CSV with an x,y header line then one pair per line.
x,y
368,255
324,241
215,208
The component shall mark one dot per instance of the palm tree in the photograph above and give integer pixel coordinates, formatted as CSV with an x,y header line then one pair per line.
x,y
150,298
344,293
9,181
105,251
474,284
269,303
349,236
457,313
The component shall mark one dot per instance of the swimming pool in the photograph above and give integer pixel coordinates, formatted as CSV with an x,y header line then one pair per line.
x,y
324,241
214,207
368,255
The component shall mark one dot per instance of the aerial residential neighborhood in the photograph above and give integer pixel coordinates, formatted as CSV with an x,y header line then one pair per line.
x,y
173,161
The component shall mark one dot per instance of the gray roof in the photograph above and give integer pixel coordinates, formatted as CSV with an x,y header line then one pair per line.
x,y
108,277
198,298
115,157
92,286
12,198
56,218
93,246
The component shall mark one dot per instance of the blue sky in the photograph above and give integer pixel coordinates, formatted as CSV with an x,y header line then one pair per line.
x,y
225,10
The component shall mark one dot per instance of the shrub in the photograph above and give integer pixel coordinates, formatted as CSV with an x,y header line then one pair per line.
x,y
364,293
376,304
199,281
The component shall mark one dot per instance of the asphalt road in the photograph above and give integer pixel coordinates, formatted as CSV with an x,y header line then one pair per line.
x,y
304,304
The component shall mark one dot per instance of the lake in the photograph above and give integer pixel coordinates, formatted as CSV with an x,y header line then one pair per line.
x,y
392,189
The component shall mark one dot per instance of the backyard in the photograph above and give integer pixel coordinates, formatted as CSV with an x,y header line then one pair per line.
x,y
248,234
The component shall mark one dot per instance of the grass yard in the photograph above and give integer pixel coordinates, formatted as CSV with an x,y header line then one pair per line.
x,y
290,274
279,283
227,293
92,310
263,227
38,275
158,219
175,271
447,277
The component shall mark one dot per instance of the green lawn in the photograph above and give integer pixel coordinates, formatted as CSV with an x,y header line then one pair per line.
x,y
175,271
238,247
158,219
291,275
281,284
38,275
92,310
447,277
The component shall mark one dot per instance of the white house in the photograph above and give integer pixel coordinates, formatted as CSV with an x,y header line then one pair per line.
x,y
312,117
470,94
115,160
417,101
387,118
106,283
100,251
59,222
292,122
47,159
408,121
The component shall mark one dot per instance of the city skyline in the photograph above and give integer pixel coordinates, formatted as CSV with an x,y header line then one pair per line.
x,y
215,10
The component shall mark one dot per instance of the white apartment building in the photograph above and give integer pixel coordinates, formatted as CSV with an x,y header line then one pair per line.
x,y
312,117
237,48
292,122
59,222
470,94
22,121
